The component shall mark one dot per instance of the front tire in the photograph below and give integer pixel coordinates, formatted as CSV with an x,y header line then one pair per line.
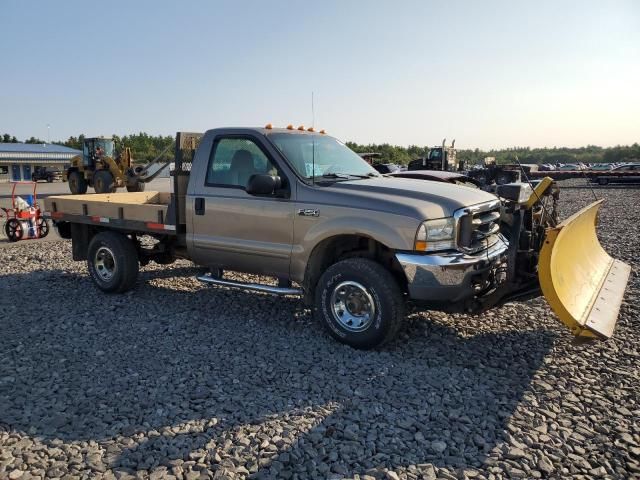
x,y
103,182
360,303
603,181
113,262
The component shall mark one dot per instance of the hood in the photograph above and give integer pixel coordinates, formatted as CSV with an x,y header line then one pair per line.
x,y
421,199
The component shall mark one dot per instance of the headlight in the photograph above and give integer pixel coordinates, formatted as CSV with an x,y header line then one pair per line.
x,y
434,235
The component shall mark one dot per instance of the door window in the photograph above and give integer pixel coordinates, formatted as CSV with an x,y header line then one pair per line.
x,y
234,160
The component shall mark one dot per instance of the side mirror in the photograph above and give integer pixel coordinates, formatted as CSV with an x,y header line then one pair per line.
x,y
263,184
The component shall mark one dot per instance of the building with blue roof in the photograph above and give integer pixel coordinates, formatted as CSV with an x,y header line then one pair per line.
x,y
18,161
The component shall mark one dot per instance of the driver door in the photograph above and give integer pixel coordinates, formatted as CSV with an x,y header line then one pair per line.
x,y
235,230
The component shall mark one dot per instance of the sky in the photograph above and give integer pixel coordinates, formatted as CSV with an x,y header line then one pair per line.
x,y
491,74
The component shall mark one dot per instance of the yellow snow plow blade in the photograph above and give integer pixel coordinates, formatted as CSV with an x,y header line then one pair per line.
x,y
581,282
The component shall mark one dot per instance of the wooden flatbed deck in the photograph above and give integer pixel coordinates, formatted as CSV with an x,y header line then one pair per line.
x,y
135,211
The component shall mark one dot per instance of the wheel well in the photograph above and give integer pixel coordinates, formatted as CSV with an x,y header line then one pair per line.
x,y
339,247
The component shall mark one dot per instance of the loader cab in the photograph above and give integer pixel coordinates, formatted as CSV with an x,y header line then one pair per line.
x,y
95,148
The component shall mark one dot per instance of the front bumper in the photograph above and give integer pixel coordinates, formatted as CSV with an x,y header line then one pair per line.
x,y
452,276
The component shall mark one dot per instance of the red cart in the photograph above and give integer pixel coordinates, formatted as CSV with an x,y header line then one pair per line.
x,y
24,218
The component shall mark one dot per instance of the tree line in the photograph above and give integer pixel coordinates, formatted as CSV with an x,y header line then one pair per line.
x,y
145,147
589,154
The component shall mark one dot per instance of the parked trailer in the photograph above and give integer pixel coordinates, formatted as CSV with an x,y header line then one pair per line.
x,y
592,175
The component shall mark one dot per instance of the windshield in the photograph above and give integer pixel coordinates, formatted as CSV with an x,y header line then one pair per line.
x,y
314,156
435,153
106,146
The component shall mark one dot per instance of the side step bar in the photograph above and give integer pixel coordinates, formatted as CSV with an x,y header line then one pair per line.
x,y
255,287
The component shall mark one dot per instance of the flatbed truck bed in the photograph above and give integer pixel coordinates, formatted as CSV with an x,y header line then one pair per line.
x,y
136,212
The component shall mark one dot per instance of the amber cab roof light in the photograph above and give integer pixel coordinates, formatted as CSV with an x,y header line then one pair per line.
x,y
268,126
301,128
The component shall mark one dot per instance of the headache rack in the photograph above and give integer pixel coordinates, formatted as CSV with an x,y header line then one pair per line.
x,y
186,146
478,226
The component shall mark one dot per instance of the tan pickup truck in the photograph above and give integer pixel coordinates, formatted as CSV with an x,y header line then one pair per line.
x,y
301,207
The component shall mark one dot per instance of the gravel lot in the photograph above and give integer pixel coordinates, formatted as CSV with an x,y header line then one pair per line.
x,y
178,379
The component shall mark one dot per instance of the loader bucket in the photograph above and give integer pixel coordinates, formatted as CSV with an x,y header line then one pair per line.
x,y
581,282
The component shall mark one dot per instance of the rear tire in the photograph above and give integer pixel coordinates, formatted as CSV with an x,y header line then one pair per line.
x,y
360,303
112,261
103,182
77,183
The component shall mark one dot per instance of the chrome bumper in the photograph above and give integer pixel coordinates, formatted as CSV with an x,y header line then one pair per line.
x,y
453,276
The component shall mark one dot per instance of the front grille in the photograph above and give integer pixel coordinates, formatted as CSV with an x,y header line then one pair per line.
x,y
478,226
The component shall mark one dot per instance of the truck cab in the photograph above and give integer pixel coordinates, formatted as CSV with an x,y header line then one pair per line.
x,y
261,200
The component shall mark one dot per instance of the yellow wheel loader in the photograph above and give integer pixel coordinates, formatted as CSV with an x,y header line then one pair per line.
x,y
100,168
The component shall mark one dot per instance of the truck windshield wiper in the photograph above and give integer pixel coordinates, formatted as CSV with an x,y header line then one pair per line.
x,y
368,175
347,175
334,175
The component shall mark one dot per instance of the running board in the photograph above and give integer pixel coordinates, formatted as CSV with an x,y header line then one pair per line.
x,y
255,287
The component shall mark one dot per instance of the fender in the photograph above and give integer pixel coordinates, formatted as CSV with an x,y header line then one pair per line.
x,y
396,232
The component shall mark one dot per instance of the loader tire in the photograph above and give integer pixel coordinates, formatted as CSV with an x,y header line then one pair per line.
x,y
112,261
77,183
360,303
138,187
103,182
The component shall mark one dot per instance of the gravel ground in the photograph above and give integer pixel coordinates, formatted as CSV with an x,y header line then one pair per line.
x,y
181,380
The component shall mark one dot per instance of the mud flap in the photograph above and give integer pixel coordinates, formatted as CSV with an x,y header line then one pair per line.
x,y
581,282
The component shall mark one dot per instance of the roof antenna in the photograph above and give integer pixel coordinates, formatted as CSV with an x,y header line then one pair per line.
x,y
313,143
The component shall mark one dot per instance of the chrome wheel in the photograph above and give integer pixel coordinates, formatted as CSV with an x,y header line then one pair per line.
x,y
352,306
105,264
